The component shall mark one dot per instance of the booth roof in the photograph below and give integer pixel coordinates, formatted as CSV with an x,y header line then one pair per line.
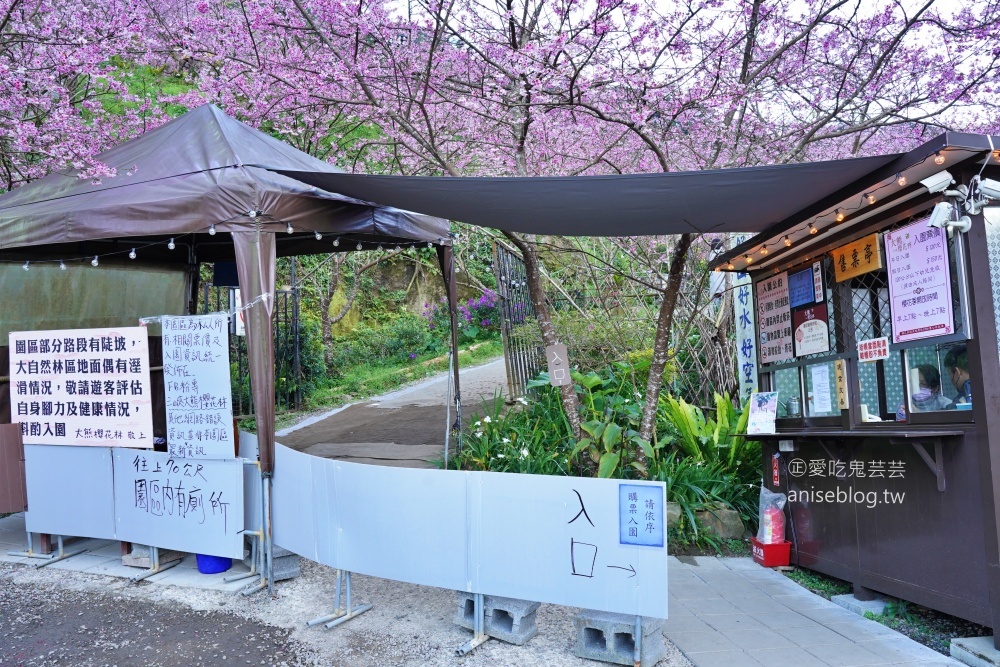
x,y
199,169
749,199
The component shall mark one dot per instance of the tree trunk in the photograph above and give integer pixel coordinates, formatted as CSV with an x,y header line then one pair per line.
x,y
661,344
570,401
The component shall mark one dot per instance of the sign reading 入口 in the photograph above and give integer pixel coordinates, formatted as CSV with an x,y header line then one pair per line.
x,y
558,362
774,319
82,387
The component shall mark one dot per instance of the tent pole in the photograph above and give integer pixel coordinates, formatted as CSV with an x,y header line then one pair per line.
x,y
446,258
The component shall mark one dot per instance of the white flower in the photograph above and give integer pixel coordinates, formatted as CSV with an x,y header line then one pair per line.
x,y
501,456
479,433
522,400
477,423
506,440
524,452
486,419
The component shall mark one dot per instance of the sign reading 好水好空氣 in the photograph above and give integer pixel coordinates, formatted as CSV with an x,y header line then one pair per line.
x,y
919,282
82,387
197,387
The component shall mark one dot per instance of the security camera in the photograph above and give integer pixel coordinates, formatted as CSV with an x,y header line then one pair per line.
x,y
941,215
938,182
990,188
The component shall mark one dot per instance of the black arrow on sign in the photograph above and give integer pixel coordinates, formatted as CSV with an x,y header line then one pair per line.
x,y
627,569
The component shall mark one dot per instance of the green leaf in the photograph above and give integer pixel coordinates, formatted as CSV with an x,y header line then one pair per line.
x,y
647,448
608,464
594,428
612,436
471,332
582,445
590,380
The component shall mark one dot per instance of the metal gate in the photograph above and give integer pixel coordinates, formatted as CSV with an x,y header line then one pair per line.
x,y
523,360
287,372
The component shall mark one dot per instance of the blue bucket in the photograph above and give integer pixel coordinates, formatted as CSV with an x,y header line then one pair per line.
x,y
213,564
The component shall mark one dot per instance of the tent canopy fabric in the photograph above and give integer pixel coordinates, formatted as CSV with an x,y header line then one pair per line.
x,y
199,169
713,201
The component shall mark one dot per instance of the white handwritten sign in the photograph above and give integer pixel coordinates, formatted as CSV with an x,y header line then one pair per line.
x,y
82,387
196,383
189,505
774,319
919,282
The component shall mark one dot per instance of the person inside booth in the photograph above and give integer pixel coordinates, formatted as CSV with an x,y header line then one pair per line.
x,y
927,397
956,363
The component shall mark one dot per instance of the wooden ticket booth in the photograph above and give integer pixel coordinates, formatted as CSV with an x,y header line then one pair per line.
x,y
875,317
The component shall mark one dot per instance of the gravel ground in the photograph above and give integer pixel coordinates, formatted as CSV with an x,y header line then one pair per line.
x,y
56,617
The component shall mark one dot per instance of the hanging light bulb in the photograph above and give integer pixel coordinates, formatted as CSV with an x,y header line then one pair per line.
x,y
747,258
430,245
336,242
900,179
252,213
94,261
730,266
870,197
319,237
763,250
62,265
840,215
380,247
25,265
131,253
788,241
812,228
171,244
718,268
359,245
288,228
938,158
211,229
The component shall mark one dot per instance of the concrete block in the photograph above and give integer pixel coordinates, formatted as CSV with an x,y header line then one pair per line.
x,y
859,607
286,567
975,651
508,619
610,637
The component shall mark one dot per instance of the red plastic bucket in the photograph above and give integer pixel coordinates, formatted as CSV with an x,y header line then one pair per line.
x,y
212,564
770,555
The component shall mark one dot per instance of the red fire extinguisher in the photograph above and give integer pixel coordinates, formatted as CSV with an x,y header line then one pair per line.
x,y
773,526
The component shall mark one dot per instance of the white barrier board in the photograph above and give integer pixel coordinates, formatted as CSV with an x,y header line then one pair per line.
x,y
70,491
594,543
189,505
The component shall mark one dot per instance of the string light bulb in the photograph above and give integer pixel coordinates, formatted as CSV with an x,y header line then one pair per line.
x,y
812,228
788,241
870,197
900,179
319,237
25,265
252,213
380,247
763,250
336,242
840,215
748,259
211,229
938,158
730,266
359,245
430,245
131,253
62,265
288,228
94,261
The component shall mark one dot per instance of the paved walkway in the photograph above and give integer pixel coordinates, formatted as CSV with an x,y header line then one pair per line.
x,y
730,612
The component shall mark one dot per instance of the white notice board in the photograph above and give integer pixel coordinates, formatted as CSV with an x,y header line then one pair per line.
x,y
197,388
70,491
188,505
82,387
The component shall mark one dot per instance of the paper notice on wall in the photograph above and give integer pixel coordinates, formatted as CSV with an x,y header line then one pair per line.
x,y
822,400
774,319
82,387
197,386
763,411
919,282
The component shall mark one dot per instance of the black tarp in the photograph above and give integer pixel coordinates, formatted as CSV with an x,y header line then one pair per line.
x,y
749,199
